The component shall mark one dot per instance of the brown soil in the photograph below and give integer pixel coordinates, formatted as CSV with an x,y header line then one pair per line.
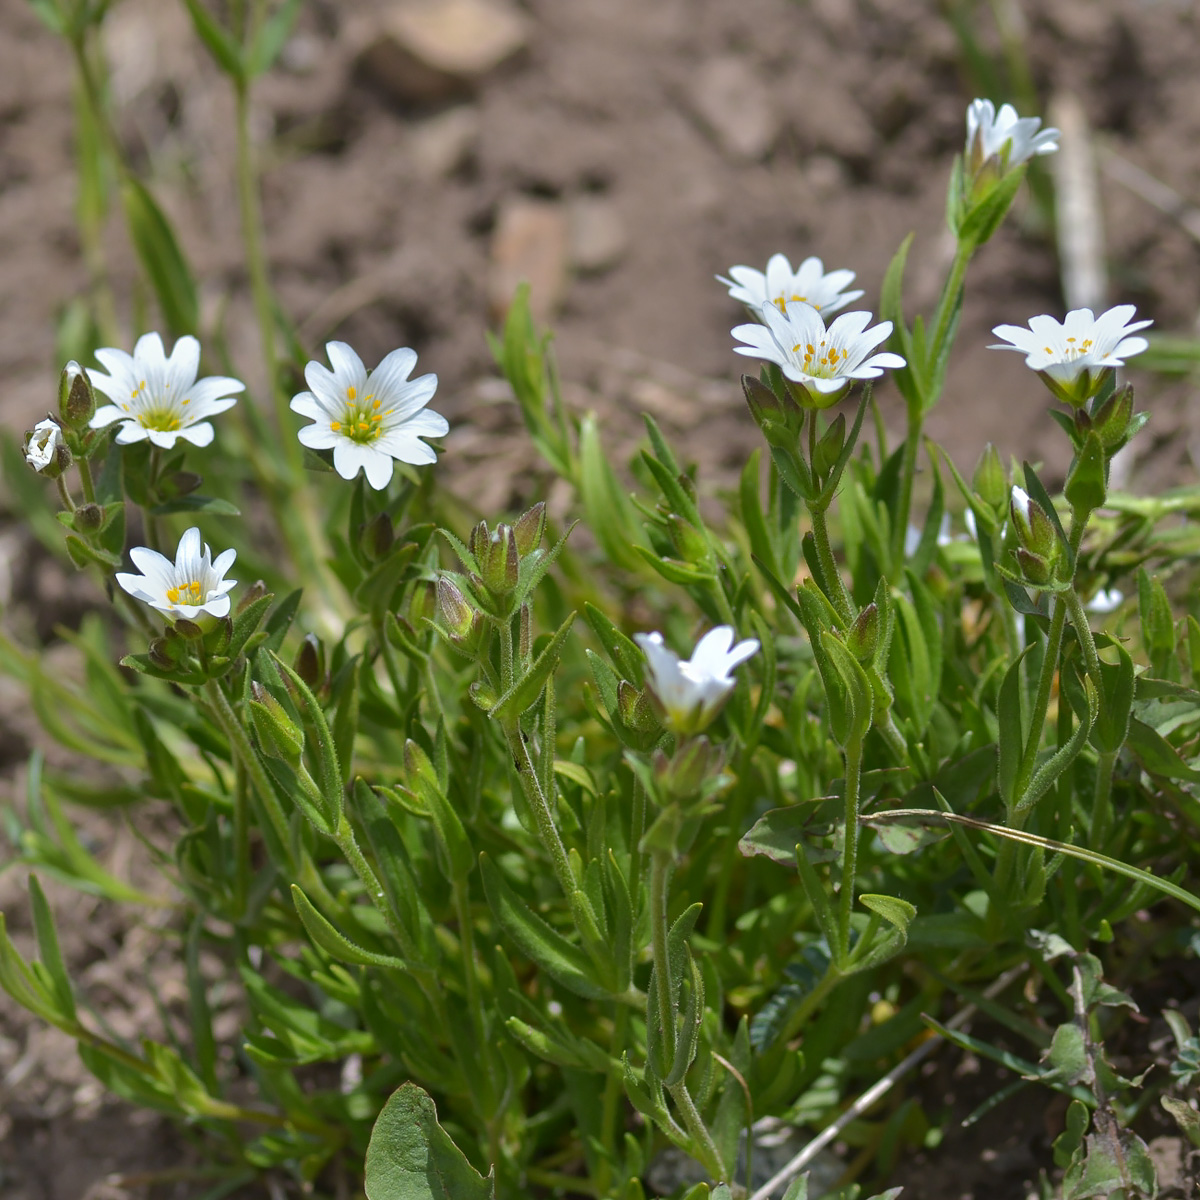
x,y
381,222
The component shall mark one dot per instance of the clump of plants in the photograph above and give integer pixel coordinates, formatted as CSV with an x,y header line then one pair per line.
x,y
517,891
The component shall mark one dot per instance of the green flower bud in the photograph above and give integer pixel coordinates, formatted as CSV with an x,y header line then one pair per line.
x,y
864,634
278,735
500,564
188,630
76,399
529,529
457,615
690,544
1035,532
989,480
1034,567
636,709
1111,420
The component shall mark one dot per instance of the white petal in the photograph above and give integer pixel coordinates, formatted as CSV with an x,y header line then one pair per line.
x,y
389,377
411,397
131,432
189,548
200,434
378,466
213,387
223,562
348,458
307,405
200,409
183,366
399,444
319,437
106,414
347,367
425,423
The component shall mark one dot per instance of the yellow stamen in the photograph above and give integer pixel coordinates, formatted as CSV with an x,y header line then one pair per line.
x,y
351,392
335,425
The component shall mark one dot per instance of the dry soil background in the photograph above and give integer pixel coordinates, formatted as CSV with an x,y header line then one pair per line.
x,y
624,153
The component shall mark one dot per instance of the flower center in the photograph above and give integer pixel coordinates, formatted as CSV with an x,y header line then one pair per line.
x,y
781,302
822,361
185,593
362,420
1074,349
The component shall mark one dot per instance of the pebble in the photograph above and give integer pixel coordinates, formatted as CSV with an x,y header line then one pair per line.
x,y
733,102
439,146
425,51
530,244
598,237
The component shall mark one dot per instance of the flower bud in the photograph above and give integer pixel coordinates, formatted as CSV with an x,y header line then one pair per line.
x,y
690,544
1034,529
457,614
256,591
864,634
88,518
76,399
165,653
529,529
501,567
1111,420
635,709
309,662
188,630
278,735
989,480
376,537
422,605
477,543
1034,567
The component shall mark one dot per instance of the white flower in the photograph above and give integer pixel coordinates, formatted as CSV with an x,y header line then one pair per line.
x,y
159,398
43,444
191,585
823,361
1075,357
1004,136
1106,601
781,286
691,693
369,419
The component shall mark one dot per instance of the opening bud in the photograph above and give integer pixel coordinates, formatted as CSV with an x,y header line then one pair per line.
x,y
1035,532
500,565
45,450
457,615
76,399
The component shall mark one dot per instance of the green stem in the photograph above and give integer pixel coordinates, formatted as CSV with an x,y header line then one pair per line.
x,y
538,802
854,752
636,830
1102,799
703,1146
462,908
241,842
840,598
947,303
348,845
64,495
611,1122
1083,631
85,480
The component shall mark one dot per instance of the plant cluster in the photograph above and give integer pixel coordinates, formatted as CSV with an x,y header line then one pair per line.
x,y
592,898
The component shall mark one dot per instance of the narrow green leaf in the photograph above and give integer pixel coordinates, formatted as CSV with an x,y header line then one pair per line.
x,y
161,259
523,695
334,943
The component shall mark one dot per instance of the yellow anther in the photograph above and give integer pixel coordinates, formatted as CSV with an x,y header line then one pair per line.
x,y
377,404
351,392
335,426
796,348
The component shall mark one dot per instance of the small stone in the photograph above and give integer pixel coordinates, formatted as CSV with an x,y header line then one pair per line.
x,y
424,51
731,99
598,235
530,244
441,145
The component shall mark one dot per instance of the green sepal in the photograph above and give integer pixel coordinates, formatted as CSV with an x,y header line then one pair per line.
x,y
1087,482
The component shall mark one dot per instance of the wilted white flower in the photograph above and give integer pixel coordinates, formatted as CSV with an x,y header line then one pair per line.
x,y
1106,600
781,286
191,585
43,444
1004,137
1074,358
159,398
369,419
823,361
691,693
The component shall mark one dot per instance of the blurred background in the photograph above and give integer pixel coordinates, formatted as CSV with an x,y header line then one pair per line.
x,y
422,156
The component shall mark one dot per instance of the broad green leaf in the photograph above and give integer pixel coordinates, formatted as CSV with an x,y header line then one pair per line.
x,y
411,1157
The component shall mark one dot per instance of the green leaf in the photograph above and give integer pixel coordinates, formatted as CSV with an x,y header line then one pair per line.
x,y
336,944
1157,755
610,515
161,259
221,44
523,694
411,1157
1111,726
197,504
1012,731
984,217
536,940
779,833
272,34
57,981
624,652
1087,484
892,909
